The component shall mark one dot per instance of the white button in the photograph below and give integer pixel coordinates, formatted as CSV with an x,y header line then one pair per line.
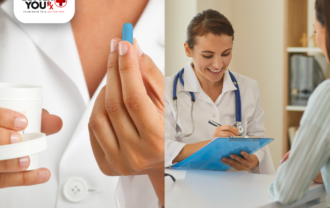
x,y
213,115
75,190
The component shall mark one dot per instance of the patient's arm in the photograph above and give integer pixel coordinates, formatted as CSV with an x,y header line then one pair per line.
x,y
317,179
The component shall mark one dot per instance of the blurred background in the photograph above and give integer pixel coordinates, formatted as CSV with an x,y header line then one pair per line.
x,y
273,45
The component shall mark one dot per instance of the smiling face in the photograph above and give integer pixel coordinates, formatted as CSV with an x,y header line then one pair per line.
x,y
320,33
211,56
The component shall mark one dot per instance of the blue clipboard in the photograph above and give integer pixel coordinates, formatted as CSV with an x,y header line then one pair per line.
x,y
209,157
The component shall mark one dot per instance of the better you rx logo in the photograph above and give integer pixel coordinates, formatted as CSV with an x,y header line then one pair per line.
x,y
44,11
35,6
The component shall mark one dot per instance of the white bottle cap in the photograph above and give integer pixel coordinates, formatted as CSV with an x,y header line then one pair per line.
x,y
31,145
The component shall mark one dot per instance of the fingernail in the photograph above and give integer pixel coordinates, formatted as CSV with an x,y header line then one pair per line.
x,y
24,161
114,45
43,175
122,48
139,50
20,122
231,156
14,138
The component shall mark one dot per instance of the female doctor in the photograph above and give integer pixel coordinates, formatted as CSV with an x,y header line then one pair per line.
x,y
205,90
70,62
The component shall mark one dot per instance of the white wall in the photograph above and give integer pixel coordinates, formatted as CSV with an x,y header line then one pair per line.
x,y
259,54
178,14
258,50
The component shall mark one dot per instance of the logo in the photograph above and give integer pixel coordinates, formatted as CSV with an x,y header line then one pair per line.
x,y
44,11
60,3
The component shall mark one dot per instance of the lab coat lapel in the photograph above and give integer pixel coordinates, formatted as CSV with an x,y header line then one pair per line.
x,y
228,84
57,42
191,83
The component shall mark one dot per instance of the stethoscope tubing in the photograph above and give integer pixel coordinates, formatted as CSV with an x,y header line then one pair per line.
x,y
238,109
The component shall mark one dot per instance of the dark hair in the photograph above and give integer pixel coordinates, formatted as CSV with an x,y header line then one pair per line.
x,y
322,9
1,1
208,21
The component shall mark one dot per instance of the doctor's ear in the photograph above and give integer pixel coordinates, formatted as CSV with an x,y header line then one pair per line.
x,y
187,49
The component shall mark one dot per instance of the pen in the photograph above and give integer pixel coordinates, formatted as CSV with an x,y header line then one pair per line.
x,y
214,123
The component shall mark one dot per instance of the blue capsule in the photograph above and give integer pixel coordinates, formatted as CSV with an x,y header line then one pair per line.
x,y
128,32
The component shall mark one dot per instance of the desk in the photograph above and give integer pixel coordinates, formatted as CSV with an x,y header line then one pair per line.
x,y
209,189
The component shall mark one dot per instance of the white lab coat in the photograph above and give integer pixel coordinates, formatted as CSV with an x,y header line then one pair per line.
x,y
221,111
46,55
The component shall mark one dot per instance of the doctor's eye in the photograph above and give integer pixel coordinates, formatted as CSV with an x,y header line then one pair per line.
x,y
207,56
227,54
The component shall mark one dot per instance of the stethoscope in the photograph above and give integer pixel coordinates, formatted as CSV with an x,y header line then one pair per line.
x,y
238,111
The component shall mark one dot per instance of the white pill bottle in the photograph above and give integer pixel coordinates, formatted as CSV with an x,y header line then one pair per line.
x,y
26,99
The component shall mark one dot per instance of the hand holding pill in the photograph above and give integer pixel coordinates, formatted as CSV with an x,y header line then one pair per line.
x,y
127,123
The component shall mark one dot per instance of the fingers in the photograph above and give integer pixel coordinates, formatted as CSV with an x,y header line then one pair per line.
x,y
13,120
285,157
26,178
14,165
232,163
229,128
102,131
153,79
135,98
50,124
225,131
98,151
114,104
247,157
9,137
241,160
239,163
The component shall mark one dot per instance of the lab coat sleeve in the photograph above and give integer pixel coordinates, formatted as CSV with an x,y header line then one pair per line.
x,y
172,146
309,151
255,127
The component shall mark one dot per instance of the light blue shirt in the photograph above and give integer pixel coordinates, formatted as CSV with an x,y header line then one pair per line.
x,y
310,151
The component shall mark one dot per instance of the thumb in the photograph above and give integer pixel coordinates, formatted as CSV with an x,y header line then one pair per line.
x,y
50,124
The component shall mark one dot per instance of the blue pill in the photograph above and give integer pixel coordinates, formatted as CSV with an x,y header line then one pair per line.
x,y
128,32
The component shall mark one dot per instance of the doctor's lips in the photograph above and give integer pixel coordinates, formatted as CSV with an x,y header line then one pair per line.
x,y
215,71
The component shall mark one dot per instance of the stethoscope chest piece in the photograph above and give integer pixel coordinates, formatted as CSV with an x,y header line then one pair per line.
x,y
240,127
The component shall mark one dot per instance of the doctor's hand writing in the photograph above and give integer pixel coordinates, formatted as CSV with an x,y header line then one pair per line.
x,y
127,123
245,163
225,131
12,172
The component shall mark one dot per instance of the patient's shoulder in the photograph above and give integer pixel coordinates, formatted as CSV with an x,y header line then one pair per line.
x,y
322,92
318,107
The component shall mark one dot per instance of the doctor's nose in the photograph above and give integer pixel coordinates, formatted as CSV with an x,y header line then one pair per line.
x,y
218,63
